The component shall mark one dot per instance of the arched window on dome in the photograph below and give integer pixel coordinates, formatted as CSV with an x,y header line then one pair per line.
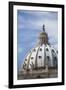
x,y
48,61
55,62
31,57
53,50
40,57
57,51
47,49
40,49
24,65
53,53
32,65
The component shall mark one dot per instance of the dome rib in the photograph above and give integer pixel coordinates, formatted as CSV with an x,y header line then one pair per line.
x,y
33,56
29,59
50,55
44,56
36,57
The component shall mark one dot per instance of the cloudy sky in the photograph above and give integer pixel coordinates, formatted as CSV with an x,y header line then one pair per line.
x,y
29,26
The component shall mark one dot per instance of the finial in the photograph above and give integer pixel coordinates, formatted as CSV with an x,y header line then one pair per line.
x,y
43,27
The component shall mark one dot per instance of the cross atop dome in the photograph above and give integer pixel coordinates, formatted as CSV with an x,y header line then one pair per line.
x,y
43,37
43,27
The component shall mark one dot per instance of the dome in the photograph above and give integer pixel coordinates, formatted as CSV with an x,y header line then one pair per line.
x,y
42,56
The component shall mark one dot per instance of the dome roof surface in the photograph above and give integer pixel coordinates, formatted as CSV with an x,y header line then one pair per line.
x,y
40,56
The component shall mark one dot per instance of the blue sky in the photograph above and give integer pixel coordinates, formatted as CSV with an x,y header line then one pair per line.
x,y
29,26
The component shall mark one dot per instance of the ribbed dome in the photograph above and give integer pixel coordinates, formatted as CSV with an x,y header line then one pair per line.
x,y
42,56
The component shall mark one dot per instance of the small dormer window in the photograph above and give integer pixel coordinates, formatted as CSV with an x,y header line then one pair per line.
x,y
57,51
55,58
52,50
40,49
48,57
31,57
47,49
40,57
